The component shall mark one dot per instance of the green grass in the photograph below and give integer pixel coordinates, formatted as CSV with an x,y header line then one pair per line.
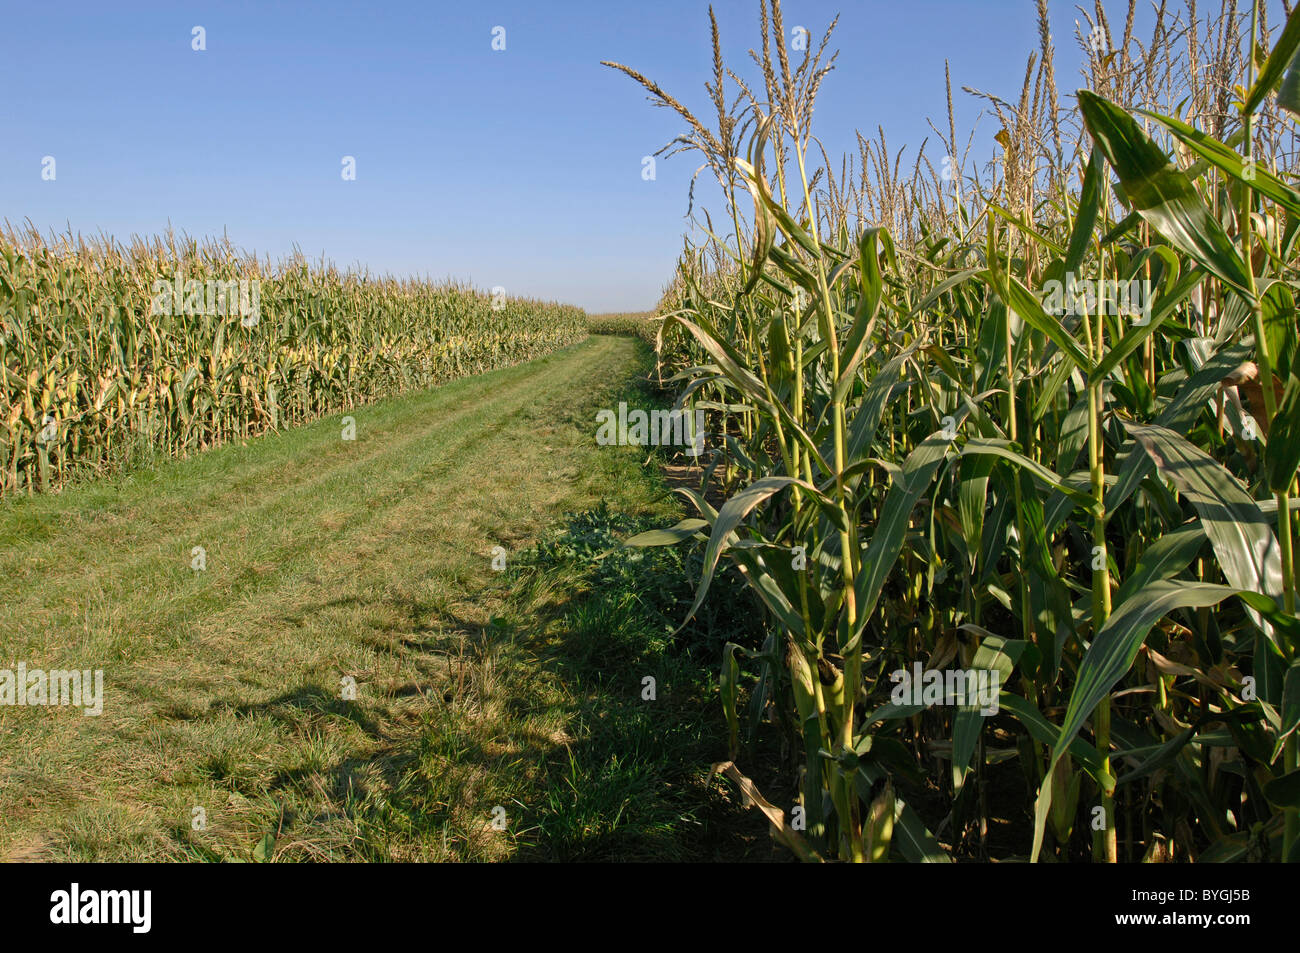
x,y
371,559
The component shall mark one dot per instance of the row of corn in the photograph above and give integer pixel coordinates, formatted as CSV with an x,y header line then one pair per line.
x,y
1030,431
110,353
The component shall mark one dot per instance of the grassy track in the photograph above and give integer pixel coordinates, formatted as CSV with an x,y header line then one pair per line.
x,y
325,558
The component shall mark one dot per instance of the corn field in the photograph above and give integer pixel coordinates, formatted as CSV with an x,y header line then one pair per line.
x,y
114,354
1036,420
642,326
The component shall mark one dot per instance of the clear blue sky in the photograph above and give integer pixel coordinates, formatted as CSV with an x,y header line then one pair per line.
x,y
519,168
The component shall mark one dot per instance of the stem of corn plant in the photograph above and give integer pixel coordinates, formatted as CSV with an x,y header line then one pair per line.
x,y
811,651
1026,612
1104,845
1291,753
851,825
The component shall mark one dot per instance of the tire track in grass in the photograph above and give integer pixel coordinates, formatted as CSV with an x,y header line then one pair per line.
x,y
327,608
163,549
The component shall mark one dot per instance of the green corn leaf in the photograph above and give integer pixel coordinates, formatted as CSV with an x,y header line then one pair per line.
x,y
1160,192
1280,60
972,500
1031,312
1284,791
1004,449
1288,96
769,576
729,360
728,520
1290,713
1044,732
1019,225
995,654
1277,305
667,537
1242,537
854,346
1178,415
1085,219
887,541
1158,758
1110,656
1258,178
1282,453
1137,334
1165,558
886,384
1227,849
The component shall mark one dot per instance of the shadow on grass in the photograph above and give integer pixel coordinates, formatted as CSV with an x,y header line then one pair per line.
x,y
310,700
586,721
630,785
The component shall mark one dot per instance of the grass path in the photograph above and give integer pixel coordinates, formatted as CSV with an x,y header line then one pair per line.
x,y
325,558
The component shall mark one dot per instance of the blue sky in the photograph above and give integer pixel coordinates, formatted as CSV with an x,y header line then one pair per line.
x,y
519,168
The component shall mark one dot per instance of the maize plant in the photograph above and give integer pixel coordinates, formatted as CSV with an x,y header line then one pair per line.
x,y
171,346
1036,424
